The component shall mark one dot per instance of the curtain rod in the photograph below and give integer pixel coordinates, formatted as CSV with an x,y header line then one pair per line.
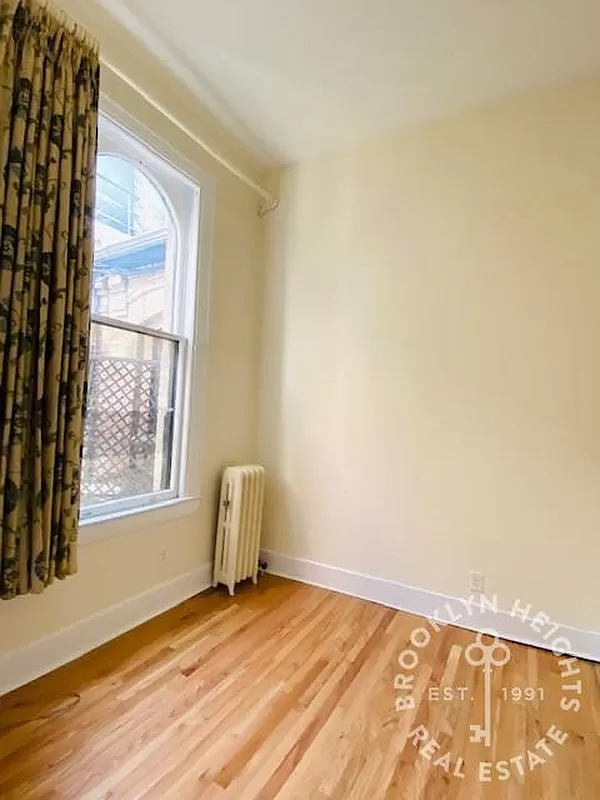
x,y
271,202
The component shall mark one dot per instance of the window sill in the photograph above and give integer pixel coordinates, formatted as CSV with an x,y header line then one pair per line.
x,y
123,522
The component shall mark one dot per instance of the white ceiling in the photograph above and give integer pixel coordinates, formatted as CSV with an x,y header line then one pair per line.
x,y
293,78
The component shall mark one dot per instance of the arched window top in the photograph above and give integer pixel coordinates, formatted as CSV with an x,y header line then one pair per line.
x,y
136,245
128,202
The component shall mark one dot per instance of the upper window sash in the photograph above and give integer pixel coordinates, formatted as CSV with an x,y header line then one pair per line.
x,y
157,333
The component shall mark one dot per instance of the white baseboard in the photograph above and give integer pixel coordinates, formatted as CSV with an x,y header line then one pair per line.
x,y
582,644
22,666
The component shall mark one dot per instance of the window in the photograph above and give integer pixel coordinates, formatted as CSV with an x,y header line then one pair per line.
x,y
143,284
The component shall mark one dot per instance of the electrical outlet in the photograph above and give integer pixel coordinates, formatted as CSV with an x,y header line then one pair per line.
x,y
476,582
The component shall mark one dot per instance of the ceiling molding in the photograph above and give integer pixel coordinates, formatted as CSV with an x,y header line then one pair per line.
x,y
265,153
282,81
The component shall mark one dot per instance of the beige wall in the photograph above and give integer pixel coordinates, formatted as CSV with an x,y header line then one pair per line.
x,y
118,568
431,386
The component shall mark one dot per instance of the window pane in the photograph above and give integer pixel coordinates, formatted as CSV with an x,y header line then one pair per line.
x,y
129,424
135,247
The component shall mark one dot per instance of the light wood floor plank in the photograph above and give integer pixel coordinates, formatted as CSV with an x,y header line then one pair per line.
x,y
287,691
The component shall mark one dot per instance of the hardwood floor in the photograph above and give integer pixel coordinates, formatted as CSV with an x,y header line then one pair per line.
x,y
287,691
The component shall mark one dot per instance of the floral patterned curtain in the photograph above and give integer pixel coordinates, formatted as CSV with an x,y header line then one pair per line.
x,y
49,71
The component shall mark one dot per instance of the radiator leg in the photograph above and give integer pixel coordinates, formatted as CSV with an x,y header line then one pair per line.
x,y
231,588
255,578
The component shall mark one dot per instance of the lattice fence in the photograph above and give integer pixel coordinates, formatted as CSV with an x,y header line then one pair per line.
x,y
121,429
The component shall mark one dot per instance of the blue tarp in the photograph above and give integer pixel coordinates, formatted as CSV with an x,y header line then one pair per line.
x,y
145,256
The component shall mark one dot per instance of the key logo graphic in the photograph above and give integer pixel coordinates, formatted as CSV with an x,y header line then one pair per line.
x,y
479,654
495,678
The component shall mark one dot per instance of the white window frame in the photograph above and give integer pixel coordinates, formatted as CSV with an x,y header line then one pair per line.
x,y
189,335
141,501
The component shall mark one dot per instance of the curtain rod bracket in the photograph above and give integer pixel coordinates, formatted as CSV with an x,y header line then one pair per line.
x,y
263,211
216,156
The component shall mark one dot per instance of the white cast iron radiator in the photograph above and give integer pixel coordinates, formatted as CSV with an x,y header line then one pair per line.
x,y
239,525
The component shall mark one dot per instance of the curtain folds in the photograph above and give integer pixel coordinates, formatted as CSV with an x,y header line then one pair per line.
x,y
49,88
